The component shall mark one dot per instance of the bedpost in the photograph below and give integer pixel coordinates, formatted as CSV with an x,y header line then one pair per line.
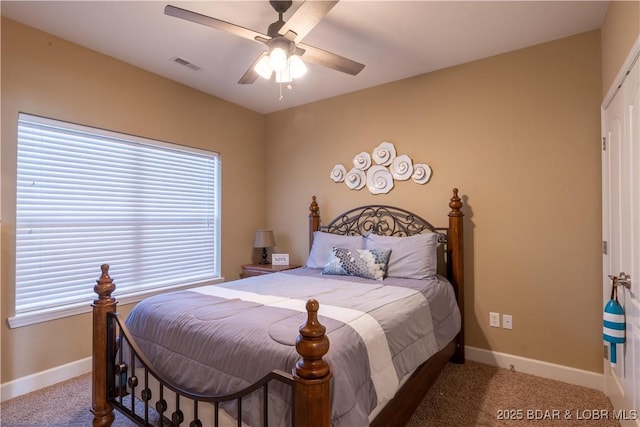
x,y
312,375
314,219
455,265
100,407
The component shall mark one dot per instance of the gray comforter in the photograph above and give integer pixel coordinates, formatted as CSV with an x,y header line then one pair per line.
x,y
222,338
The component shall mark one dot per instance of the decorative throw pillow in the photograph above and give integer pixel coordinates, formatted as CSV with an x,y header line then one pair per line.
x,y
322,244
412,257
367,263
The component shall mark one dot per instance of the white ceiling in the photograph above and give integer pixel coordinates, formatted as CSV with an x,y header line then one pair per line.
x,y
394,39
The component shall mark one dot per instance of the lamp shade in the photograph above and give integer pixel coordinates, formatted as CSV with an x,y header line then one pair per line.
x,y
263,68
264,239
278,59
297,68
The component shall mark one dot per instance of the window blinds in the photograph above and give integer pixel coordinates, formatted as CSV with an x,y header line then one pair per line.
x,y
86,196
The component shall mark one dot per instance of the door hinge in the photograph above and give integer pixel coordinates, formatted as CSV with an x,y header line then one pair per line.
x,y
604,143
604,247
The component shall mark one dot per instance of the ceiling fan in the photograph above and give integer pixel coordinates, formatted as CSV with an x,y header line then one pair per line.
x,y
283,41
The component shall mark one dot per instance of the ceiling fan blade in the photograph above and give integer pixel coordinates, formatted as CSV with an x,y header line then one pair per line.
x,y
305,18
251,75
330,60
212,22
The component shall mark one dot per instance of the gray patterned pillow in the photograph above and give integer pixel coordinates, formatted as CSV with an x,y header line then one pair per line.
x,y
367,263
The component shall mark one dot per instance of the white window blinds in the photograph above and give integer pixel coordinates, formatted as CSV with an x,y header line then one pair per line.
x,y
86,196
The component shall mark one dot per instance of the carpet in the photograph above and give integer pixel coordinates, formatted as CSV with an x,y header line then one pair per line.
x,y
472,394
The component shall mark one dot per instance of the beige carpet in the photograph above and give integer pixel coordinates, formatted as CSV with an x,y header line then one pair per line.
x,y
474,394
466,395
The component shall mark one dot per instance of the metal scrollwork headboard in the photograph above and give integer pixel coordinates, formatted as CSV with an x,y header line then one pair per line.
x,y
392,221
381,220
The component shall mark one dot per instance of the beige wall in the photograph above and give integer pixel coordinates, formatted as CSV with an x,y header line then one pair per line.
x,y
47,76
518,134
620,30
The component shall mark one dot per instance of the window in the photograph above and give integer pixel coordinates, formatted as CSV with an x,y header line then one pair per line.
x,y
87,196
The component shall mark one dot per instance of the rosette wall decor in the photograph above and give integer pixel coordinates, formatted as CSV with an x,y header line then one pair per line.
x,y
355,179
379,177
401,168
379,180
384,153
362,161
338,172
421,173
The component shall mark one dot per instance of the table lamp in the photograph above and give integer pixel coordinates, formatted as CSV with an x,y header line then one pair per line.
x,y
264,239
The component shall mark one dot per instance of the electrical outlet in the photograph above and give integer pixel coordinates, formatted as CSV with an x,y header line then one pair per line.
x,y
494,319
507,321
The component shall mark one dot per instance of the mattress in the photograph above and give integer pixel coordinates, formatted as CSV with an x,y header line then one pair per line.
x,y
221,338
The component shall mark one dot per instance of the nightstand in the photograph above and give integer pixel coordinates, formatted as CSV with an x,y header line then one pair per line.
x,y
249,270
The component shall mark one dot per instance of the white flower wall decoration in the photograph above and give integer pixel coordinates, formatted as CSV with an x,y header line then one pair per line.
x,y
384,153
421,174
338,173
355,179
362,161
379,178
401,168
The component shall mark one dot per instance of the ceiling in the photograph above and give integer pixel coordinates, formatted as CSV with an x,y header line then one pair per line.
x,y
394,39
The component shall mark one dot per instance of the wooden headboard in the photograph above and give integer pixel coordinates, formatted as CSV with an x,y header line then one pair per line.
x,y
394,221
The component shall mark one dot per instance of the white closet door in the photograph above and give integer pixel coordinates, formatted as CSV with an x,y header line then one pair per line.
x,y
621,233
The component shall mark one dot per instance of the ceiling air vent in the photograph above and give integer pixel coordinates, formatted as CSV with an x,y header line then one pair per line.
x,y
185,63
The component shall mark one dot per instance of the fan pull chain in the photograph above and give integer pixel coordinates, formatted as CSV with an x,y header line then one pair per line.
x,y
289,86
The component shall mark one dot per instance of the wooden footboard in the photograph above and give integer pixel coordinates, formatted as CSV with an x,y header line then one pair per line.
x,y
310,378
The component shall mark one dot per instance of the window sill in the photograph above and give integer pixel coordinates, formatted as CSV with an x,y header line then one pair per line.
x,y
41,316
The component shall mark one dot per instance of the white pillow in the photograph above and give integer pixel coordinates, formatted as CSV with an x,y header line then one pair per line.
x,y
324,242
412,257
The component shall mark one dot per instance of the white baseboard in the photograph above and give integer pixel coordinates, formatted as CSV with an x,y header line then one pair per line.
x,y
536,367
566,374
44,379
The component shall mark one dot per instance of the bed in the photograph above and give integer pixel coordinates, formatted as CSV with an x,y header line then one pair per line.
x,y
356,337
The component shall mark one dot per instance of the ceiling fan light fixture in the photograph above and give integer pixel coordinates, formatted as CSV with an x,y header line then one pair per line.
x,y
283,41
297,68
263,68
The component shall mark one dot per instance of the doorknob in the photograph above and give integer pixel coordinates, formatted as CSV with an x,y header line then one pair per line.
x,y
622,280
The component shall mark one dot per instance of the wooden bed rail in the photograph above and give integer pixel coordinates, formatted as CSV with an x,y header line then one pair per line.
x,y
311,406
